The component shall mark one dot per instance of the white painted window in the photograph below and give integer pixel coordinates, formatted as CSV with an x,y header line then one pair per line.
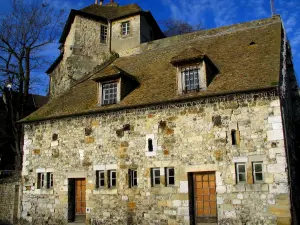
x,y
241,175
150,145
190,76
109,93
112,178
44,180
103,34
40,180
170,176
125,28
100,179
132,177
49,180
258,172
155,176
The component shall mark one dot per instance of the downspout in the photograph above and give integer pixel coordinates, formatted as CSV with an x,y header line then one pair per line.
x,y
110,35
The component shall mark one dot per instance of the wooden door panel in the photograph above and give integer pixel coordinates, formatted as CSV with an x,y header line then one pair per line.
x,y
80,196
205,197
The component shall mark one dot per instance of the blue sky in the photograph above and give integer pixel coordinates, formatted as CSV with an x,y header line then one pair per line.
x,y
210,13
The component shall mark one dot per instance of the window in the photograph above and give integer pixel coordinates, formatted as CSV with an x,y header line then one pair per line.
x,y
45,180
258,171
241,172
100,180
190,78
125,28
40,180
103,34
170,176
109,93
150,145
155,176
132,174
233,137
112,178
49,180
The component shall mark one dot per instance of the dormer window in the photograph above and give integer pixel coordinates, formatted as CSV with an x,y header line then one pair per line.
x,y
125,28
103,33
190,78
195,71
109,93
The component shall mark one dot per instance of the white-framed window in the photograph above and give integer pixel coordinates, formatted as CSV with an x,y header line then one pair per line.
x,y
112,178
100,179
257,168
125,26
109,93
44,180
170,176
40,180
241,174
190,76
155,176
150,145
132,174
103,33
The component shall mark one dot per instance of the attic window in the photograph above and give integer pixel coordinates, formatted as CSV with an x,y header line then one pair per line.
x,y
190,78
109,93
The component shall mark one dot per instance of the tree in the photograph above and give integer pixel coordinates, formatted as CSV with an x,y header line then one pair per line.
x,y
23,34
176,27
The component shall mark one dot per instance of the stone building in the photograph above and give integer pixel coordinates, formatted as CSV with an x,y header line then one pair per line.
x,y
141,129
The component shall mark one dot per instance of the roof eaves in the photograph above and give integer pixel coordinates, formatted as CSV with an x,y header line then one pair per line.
x,y
270,88
55,63
149,17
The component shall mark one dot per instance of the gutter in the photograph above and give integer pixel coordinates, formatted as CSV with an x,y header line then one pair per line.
x,y
151,104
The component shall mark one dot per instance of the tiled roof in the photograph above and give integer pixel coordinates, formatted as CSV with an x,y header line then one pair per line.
x,y
242,67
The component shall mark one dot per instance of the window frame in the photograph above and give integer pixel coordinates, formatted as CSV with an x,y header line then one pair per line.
x,y
110,179
189,68
103,33
133,178
103,94
254,172
168,176
237,172
99,179
126,25
49,181
153,176
40,180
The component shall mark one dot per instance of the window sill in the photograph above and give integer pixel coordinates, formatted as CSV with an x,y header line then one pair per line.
x,y
106,191
44,191
150,153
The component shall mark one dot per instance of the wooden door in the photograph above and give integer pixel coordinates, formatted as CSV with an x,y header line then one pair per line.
x,y
205,198
80,196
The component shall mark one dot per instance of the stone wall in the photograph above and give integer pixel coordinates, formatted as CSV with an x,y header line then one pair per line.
x,y
191,137
9,199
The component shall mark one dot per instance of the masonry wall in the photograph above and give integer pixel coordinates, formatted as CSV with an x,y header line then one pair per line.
x,y
9,199
83,51
191,137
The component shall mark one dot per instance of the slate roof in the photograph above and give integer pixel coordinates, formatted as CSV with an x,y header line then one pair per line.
x,y
242,67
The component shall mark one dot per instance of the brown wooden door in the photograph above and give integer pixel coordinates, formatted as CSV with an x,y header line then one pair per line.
x,y
205,198
80,196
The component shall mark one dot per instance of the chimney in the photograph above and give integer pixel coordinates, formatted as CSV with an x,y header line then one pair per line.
x,y
96,2
112,1
101,2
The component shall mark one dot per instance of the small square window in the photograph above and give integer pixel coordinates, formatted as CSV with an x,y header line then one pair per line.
x,y
190,78
241,175
112,178
103,34
100,179
132,178
258,172
170,176
109,93
155,176
125,28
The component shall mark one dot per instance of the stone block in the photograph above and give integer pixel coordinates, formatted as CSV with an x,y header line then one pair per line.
x,y
274,151
275,103
183,211
274,119
183,187
280,177
277,126
274,135
236,201
284,221
176,203
220,200
282,199
221,189
89,140
163,203
280,188
37,151
238,188
276,168
279,210
131,205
